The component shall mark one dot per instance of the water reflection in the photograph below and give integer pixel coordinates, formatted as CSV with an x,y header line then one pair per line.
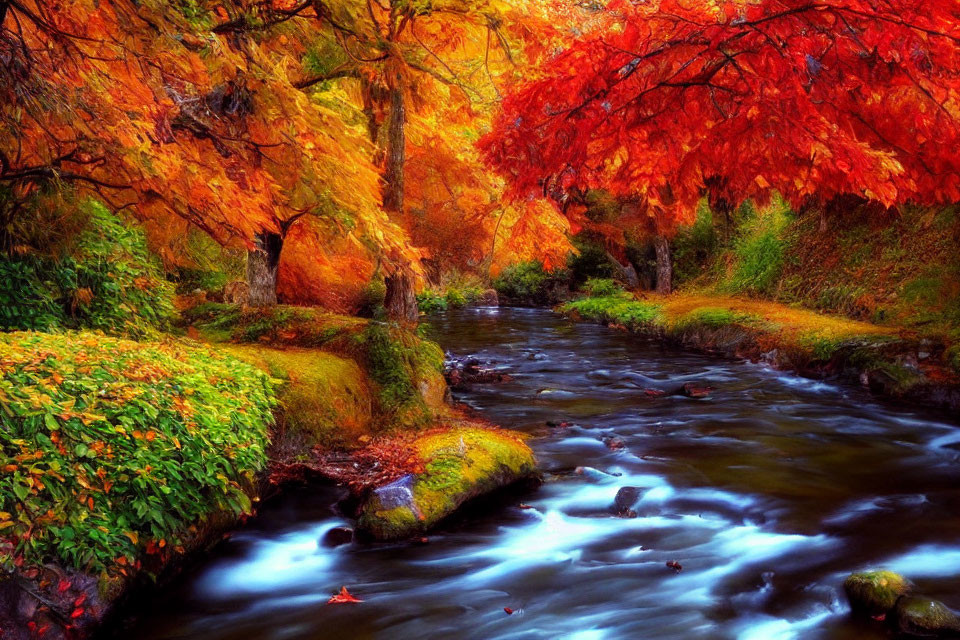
x,y
767,493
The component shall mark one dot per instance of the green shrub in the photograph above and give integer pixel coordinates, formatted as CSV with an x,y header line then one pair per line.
x,y
694,246
620,309
590,261
529,282
112,447
110,282
430,301
598,287
759,251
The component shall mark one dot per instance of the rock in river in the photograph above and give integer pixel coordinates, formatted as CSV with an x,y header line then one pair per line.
x,y
625,499
875,592
926,618
458,465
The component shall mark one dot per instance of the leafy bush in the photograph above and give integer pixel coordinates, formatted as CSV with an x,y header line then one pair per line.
x,y
759,251
620,309
431,301
437,300
693,247
109,282
530,283
112,447
598,287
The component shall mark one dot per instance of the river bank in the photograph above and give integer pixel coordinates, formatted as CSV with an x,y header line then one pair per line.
x,y
768,493
893,362
138,456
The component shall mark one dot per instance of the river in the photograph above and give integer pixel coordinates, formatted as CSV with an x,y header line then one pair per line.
x,y
767,493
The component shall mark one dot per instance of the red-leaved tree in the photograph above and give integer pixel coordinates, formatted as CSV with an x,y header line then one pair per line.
x,y
670,100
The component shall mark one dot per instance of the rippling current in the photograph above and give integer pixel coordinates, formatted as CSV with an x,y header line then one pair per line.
x,y
767,493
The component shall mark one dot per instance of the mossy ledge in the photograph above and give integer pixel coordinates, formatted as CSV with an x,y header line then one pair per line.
x,y
891,362
458,465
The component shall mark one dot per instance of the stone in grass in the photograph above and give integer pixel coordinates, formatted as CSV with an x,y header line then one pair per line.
x,y
459,464
925,618
875,593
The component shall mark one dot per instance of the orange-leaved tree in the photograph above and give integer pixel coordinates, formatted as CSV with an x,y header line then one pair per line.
x,y
671,100
154,109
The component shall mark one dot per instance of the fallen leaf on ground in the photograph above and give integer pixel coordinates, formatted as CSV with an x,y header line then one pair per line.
x,y
343,597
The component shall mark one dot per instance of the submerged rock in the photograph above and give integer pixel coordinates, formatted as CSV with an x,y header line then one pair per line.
x,y
926,618
458,465
875,592
337,536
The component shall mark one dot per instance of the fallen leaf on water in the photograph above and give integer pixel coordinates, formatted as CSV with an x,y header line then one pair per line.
x,y
508,610
343,597
676,566
880,618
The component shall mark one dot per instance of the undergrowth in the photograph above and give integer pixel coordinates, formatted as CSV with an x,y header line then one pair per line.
x,y
111,448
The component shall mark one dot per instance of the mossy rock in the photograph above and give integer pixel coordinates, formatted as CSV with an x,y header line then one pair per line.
x,y
875,592
926,618
325,399
459,465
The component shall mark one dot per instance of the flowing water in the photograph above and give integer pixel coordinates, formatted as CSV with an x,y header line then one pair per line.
x,y
768,493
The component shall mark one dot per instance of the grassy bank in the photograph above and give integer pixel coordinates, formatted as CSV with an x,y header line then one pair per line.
x,y
893,361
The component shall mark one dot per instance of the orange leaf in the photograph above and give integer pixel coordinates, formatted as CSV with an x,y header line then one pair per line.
x,y
343,597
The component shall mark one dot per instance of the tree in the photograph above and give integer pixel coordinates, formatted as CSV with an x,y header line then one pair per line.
x,y
667,101
160,111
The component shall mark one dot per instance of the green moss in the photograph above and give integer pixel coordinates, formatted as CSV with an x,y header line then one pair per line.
x,y
926,618
875,592
459,464
407,371
325,399
715,318
109,444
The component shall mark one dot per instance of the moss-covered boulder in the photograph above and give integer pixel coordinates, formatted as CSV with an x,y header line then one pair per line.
x,y
458,465
926,618
875,592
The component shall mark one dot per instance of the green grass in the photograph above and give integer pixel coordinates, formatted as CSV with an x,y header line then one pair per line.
x,y
759,251
619,309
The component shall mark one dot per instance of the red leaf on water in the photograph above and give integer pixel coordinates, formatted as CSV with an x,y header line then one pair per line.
x,y
880,618
343,597
508,610
676,566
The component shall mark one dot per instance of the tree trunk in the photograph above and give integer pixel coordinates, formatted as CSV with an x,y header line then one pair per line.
x,y
627,273
664,264
262,266
396,153
401,301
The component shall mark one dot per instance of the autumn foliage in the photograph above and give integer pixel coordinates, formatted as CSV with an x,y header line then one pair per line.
x,y
667,101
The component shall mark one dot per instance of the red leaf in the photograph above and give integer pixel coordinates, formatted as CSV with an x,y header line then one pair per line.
x,y
76,613
343,597
63,586
508,610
